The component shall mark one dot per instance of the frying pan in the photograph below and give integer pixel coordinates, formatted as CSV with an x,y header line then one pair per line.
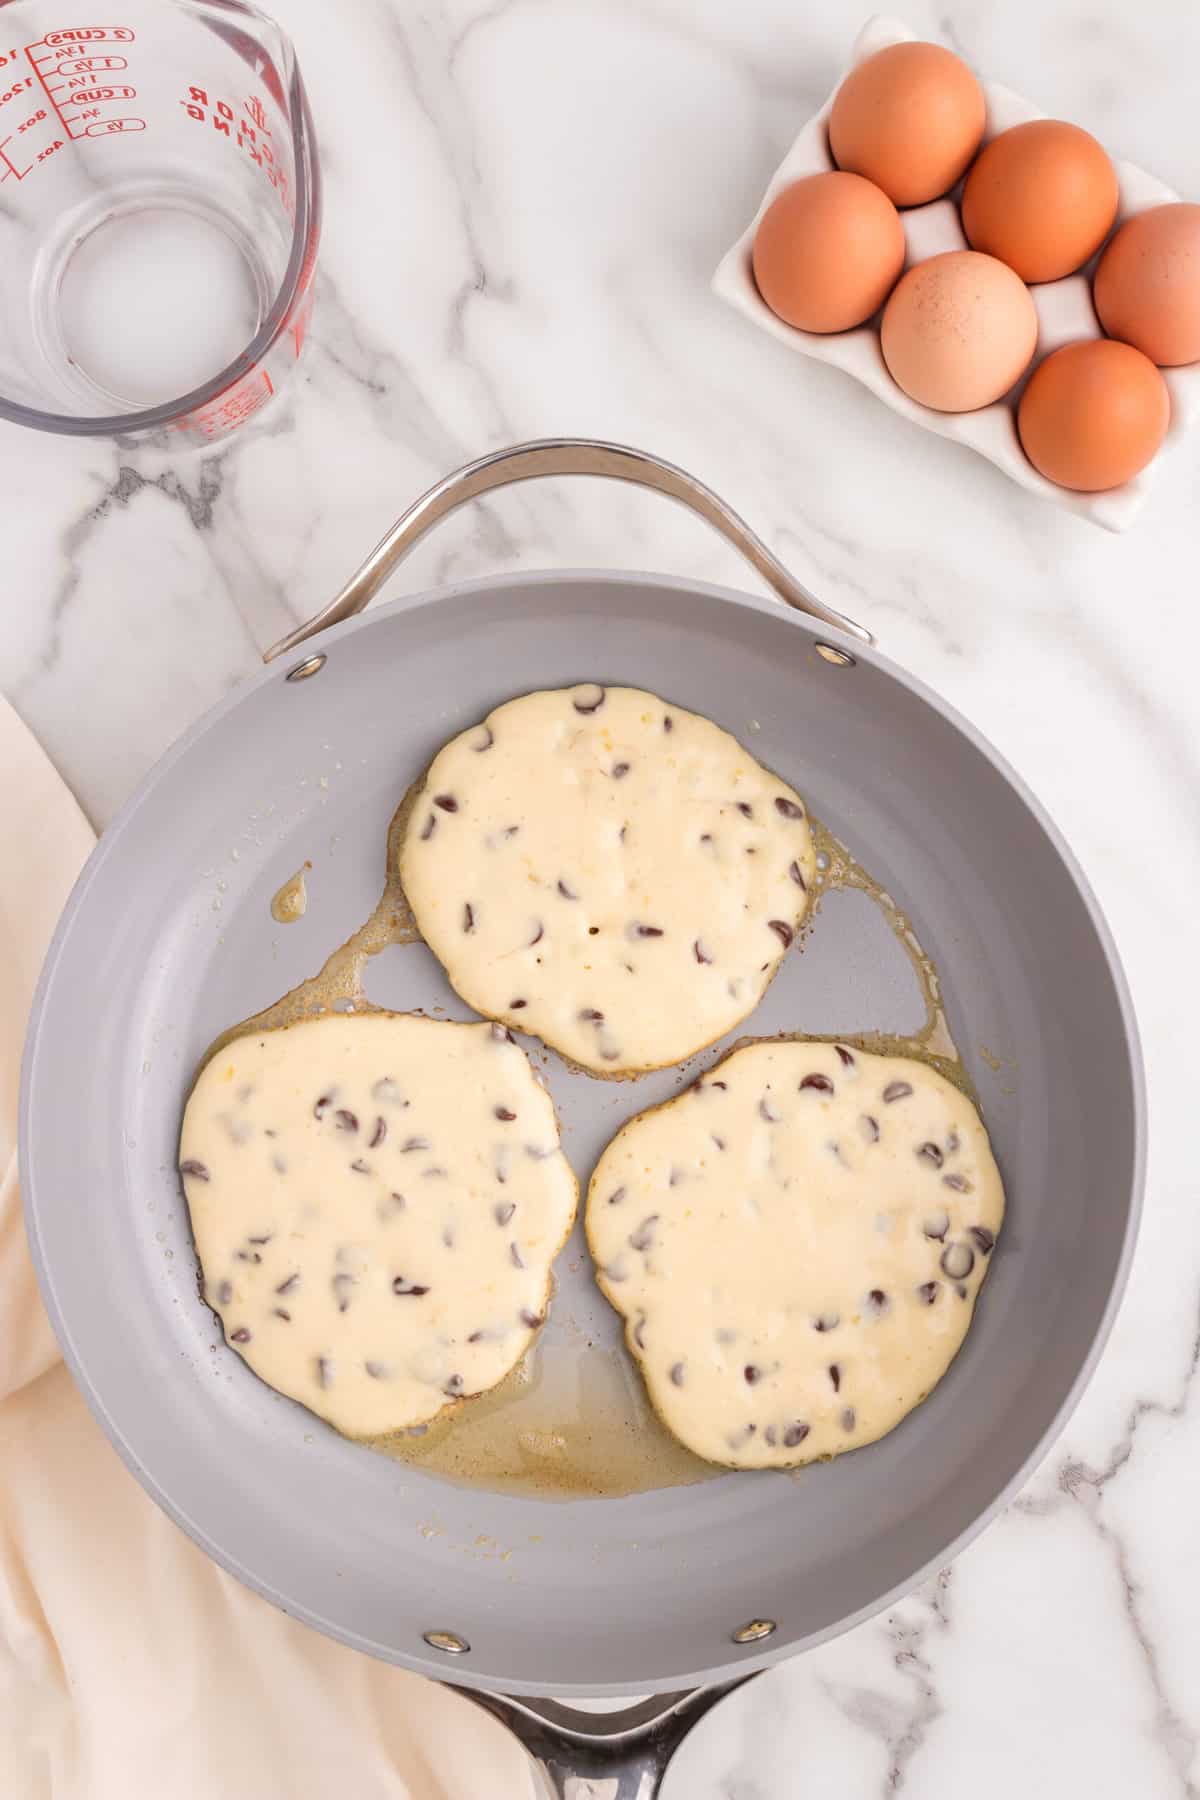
x,y
678,1592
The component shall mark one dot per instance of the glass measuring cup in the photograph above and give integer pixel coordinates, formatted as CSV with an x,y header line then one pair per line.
x,y
159,215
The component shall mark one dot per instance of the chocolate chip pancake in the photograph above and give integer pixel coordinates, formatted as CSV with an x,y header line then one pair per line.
x,y
796,1244
376,1201
607,871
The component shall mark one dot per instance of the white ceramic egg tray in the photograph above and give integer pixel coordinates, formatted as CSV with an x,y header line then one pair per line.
x,y
1064,308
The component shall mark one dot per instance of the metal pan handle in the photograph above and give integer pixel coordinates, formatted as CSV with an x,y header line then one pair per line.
x,y
602,1756
560,456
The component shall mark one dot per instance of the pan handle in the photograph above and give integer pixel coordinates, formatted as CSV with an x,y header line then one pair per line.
x,y
602,1756
560,456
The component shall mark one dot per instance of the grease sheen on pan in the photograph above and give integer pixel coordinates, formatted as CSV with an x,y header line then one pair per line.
x,y
376,1200
796,1244
608,871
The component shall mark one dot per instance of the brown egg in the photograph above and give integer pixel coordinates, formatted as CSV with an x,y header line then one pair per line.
x,y
1040,197
958,331
827,252
1147,287
910,119
1093,414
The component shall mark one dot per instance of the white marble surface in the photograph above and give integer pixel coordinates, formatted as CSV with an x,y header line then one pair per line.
x,y
525,204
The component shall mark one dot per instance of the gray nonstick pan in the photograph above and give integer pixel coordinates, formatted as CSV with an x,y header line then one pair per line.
x,y
502,1585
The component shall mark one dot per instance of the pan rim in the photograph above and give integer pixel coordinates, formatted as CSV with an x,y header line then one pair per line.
x,y
753,1660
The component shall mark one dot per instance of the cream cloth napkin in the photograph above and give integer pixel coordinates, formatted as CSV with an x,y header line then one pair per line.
x,y
131,1667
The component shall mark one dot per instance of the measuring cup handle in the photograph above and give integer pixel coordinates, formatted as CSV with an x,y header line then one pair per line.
x,y
602,1756
560,456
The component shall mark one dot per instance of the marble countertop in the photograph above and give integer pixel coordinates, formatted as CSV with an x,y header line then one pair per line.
x,y
526,201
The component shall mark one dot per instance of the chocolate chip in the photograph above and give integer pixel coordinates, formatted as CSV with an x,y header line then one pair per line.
x,y
929,1291
959,1183
361,1166
591,1016
250,1256
503,1113
849,1419
515,1006
985,1240
719,1142
878,1300
706,837
502,1035
897,1090
225,1293
782,930
643,1238
427,830
820,1084
409,1290
752,1373
476,1337
378,1133
197,1170
488,741
620,770
745,808
281,1314
582,699
952,1142
678,1374
261,1240
324,1372
957,1261
797,875
395,1203
869,1128
936,1226
377,1371
468,917
616,1197
454,1386
414,1143
668,722
931,1153
531,1319
767,1111
789,808
342,1285
636,930
960,1289
795,1434
539,932
515,1257
566,890
700,953
503,1211
835,1375
241,1336
345,1120
447,802
285,1287
826,1322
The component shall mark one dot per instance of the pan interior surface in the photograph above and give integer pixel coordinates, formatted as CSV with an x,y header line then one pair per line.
x,y
169,939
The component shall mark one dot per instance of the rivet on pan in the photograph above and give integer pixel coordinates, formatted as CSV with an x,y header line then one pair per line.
x,y
754,1631
449,1642
841,659
310,666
